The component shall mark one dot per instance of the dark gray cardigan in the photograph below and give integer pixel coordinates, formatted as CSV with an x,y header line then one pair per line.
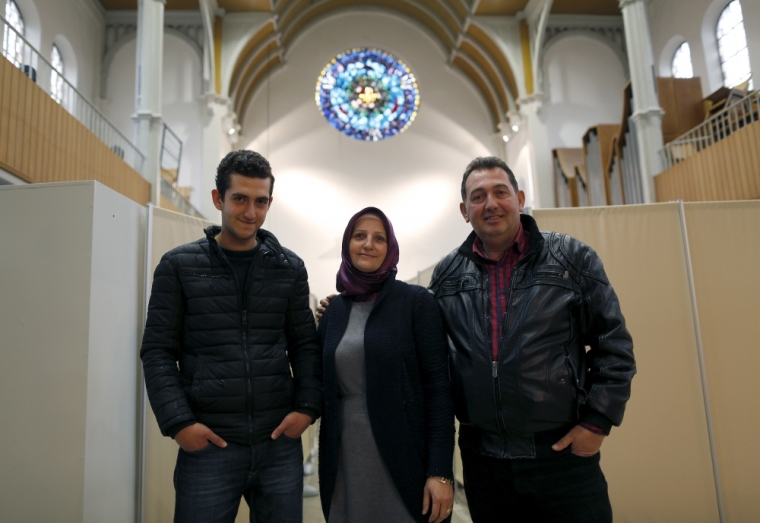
x,y
408,390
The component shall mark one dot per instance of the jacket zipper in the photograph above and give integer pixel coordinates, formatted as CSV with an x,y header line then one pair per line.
x,y
494,360
244,321
495,363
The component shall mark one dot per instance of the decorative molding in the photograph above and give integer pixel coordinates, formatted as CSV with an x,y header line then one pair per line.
x,y
535,98
123,24
609,28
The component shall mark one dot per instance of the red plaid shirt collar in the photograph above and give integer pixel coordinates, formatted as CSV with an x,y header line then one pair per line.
x,y
520,243
499,278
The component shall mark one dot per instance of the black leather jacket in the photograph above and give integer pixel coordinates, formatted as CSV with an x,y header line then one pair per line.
x,y
560,303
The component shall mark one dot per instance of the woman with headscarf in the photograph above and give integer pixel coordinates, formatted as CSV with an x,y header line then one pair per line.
x,y
387,430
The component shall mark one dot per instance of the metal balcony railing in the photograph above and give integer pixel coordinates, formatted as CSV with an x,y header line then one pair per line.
x,y
170,192
713,130
38,69
171,156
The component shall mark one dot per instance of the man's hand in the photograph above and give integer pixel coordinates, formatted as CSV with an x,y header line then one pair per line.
x,y
323,304
292,425
582,442
196,437
439,498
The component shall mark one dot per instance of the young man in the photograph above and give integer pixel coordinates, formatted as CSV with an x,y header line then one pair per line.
x,y
231,360
520,308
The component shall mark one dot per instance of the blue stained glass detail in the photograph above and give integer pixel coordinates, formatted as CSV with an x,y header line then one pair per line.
x,y
368,94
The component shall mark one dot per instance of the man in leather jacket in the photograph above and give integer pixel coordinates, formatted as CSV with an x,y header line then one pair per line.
x,y
541,359
232,363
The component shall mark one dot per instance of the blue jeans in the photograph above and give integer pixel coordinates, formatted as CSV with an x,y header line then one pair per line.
x,y
269,475
564,488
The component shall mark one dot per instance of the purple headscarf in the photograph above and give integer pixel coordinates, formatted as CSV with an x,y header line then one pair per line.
x,y
363,286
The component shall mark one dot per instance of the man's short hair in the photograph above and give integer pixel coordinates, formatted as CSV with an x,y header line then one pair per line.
x,y
487,162
245,163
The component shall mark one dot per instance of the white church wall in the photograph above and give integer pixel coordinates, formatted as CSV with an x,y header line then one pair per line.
x,y
76,26
583,81
120,89
180,97
751,12
695,22
237,30
323,176
180,92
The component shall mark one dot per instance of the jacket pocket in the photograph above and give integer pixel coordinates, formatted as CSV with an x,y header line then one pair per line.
x,y
459,283
560,381
546,275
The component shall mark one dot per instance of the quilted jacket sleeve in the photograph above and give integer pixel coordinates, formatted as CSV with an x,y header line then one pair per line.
x,y
610,361
303,348
161,348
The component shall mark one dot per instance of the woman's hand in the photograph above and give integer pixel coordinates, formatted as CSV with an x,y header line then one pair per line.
x,y
439,499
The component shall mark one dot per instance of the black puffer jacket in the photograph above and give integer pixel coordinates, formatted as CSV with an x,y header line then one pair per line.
x,y
235,359
560,302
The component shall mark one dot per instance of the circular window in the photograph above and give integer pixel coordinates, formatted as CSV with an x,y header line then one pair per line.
x,y
368,94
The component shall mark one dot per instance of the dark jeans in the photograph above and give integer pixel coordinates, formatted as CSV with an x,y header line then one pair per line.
x,y
562,489
269,475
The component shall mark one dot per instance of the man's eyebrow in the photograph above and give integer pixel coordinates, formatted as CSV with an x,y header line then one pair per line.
x,y
497,186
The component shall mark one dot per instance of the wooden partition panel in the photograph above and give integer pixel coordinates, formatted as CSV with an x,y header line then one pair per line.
x,y
724,241
727,170
169,230
658,463
41,142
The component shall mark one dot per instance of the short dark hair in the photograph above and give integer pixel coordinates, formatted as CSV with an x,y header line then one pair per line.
x,y
245,163
487,162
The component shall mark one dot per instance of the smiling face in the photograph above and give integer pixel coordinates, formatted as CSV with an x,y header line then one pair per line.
x,y
369,244
492,207
244,209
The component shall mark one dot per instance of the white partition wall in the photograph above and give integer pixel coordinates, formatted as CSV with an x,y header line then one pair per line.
x,y
71,271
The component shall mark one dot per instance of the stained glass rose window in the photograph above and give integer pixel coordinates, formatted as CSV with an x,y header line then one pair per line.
x,y
368,94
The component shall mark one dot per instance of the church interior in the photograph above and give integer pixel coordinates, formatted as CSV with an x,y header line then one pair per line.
x,y
633,125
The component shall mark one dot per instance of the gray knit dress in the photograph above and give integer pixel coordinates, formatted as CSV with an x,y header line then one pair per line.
x,y
364,491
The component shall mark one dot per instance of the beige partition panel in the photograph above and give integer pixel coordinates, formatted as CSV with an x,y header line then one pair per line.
x,y
168,230
658,463
724,240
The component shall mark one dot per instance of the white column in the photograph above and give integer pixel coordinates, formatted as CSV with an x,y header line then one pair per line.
x,y
217,121
751,14
149,124
647,113
540,153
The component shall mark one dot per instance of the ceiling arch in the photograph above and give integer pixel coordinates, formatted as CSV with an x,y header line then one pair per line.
x,y
470,49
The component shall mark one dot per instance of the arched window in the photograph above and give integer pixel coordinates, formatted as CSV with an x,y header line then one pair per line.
x,y
732,46
56,75
13,45
681,65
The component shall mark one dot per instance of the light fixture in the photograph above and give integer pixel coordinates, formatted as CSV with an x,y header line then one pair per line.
x,y
231,131
515,128
505,138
